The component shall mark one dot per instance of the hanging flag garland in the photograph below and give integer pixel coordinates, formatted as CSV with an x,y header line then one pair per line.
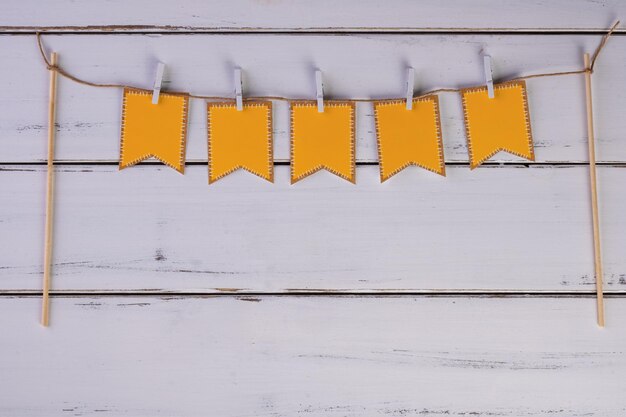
x,y
409,137
240,139
322,140
497,124
153,130
154,124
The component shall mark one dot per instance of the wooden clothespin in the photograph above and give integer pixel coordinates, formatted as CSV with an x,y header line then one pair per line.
x,y
319,86
158,81
238,89
410,84
488,75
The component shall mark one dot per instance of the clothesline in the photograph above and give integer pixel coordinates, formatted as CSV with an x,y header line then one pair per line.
x,y
62,72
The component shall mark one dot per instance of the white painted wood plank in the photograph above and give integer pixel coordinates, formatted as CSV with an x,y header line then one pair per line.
x,y
147,227
302,15
319,357
354,66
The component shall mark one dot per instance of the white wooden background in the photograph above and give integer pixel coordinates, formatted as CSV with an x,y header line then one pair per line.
x,y
470,295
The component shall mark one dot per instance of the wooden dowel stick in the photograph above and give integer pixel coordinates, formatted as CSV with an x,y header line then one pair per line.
x,y
594,196
45,306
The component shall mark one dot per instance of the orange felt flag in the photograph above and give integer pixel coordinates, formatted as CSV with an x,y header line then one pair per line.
x,y
322,140
498,124
409,137
153,130
240,139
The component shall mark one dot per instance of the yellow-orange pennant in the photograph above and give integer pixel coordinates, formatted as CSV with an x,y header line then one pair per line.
x,y
153,130
497,124
322,140
240,139
409,137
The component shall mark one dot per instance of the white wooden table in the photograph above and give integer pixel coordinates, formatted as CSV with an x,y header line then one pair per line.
x,y
470,295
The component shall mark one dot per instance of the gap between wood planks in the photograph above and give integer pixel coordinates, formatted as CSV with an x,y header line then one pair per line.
x,y
6,166
235,293
190,30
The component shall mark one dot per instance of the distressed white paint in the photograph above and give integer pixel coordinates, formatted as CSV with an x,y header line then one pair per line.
x,y
303,15
510,229
319,357
149,227
89,119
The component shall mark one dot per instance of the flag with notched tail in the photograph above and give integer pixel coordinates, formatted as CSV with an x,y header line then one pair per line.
x,y
240,139
408,137
153,130
497,124
322,140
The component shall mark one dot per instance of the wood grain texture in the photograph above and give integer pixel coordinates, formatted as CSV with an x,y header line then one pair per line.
x,y
150,228
302,15
89,118
312,356
520,231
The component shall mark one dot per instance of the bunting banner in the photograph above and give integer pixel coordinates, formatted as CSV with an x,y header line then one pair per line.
x,y
497,124
153,130
409,137
240,139
322,140
239,133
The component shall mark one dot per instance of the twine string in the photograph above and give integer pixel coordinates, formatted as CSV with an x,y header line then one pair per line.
x,y
62,72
